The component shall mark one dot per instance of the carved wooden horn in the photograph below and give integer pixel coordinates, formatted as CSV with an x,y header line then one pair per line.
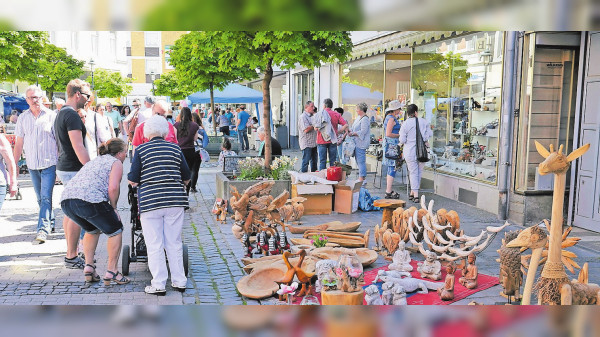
x,y
578,153
541,149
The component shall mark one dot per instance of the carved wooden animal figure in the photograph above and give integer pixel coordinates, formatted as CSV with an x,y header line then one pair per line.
x,y
372,296
447,292
302,276
511,276
553,275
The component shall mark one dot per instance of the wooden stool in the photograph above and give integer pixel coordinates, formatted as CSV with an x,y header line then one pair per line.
x,y
338,297
388,205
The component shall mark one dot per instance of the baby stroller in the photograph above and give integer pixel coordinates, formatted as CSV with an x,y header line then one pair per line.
x,y
137,252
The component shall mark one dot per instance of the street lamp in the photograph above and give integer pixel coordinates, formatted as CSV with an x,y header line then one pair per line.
x,y
92,69
152,77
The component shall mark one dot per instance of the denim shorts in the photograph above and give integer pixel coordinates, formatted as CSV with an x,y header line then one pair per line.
x,y
65,176
391,171
93,218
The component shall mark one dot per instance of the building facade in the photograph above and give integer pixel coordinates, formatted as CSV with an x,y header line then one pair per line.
x,y
488,96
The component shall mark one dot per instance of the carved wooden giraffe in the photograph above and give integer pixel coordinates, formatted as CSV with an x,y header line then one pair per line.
x,y
553,274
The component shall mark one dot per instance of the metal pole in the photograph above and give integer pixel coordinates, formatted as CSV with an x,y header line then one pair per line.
x,y
506,136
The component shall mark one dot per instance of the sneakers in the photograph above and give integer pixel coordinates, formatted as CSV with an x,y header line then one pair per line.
x,y
41,237
155,291
74,263
180,289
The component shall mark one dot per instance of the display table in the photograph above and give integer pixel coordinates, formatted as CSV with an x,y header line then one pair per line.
x,y
388,205
338,297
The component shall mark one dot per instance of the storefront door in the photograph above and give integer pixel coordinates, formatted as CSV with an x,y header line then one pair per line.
x,y
587,204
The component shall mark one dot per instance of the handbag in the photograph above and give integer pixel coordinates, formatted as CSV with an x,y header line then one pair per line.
x,y
392,151
422,154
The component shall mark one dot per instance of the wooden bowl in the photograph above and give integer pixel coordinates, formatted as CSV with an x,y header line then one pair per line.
x,y
366,256
261,283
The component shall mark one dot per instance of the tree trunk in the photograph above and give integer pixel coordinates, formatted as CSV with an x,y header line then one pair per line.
x,y
266,87
212,107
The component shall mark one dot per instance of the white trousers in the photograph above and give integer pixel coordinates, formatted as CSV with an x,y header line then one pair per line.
x,y
415,171
162,232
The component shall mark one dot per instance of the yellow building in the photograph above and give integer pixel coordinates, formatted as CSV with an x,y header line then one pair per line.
x,y
147,54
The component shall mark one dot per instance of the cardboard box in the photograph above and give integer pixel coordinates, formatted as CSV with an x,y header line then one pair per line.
x,y
346,196
319,198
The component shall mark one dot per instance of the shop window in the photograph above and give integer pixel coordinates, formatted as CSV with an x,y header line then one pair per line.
x,y
547,110
457,86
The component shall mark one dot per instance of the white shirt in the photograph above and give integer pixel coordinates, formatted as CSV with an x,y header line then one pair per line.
x,y
104,128
408,136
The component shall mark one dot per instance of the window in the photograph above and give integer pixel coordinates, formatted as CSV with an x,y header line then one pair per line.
x,y
152,39
457,86
547,110
168,57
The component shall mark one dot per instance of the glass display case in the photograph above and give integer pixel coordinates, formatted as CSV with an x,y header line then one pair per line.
x,y
457,86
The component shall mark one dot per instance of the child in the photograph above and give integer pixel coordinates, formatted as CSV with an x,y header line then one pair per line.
x,y
225,152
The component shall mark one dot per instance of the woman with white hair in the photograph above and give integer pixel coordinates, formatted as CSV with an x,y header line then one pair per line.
x,y
275,146
160,170
361,133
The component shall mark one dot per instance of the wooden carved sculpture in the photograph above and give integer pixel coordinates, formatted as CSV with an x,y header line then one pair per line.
x,y
553,286
293,209
470,273
401,259
447,292
255,198
553,275
296,270
511,275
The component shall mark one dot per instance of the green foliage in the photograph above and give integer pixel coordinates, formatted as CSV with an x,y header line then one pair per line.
x,y
19,54
196,56
319,241
170,85
57,69
254,15
263,50
110,84
439,72
251,169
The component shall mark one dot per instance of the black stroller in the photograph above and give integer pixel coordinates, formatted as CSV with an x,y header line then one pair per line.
x,y
137,251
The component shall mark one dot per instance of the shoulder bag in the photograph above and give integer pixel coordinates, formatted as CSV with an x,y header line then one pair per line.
x,y
422,154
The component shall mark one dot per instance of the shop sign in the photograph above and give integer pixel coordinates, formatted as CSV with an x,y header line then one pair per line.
x,y
554,65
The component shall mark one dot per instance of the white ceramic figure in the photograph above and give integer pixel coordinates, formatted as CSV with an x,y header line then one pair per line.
x,y
326,275
401,259
387,296
431,268
372,296
399,297
384,275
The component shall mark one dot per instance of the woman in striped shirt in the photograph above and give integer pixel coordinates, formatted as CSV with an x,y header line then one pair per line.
x,y
160,170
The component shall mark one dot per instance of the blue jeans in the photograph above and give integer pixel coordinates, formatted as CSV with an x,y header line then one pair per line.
x,y
340,156
325,149
3,189
309,154
43,184
361,161
243,138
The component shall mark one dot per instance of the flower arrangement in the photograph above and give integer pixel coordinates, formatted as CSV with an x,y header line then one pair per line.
x,y
350,273
319,241
287,291
251,168
280,167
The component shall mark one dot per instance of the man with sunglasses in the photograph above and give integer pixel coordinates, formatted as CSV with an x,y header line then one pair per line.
x,y
70,133
35,135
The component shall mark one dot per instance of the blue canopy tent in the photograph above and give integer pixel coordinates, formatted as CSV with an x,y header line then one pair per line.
x,y
233,93
10,103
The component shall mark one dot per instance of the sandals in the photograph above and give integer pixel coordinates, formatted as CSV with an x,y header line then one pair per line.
x,y
392,195
122,280
414,199
91,277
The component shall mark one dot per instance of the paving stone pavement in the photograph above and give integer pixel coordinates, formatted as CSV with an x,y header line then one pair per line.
x,y
34,274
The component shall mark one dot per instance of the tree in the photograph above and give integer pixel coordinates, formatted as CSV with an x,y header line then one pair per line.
x,y
19,53
285,49
110,84
57,68
170,85
254,15
196,57
439,72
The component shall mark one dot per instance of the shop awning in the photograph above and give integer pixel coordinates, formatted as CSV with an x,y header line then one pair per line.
x,y
398,40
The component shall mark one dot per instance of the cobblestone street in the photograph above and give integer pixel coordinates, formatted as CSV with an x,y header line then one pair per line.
x,y
34,274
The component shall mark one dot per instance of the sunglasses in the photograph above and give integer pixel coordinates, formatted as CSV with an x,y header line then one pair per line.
x,y
87,96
